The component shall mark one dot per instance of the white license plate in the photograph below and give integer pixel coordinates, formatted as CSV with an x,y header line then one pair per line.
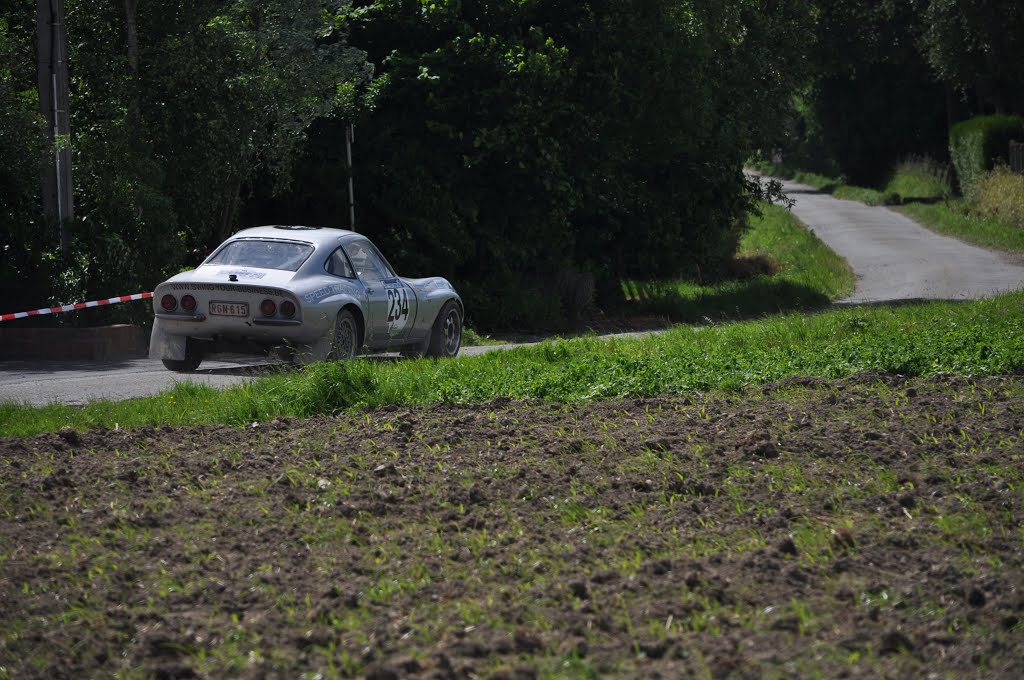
x,y
229,308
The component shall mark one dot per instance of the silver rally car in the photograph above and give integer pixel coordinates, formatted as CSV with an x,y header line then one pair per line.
x,y
313,293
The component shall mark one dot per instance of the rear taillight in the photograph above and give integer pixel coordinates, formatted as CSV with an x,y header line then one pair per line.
x,y
267,308
188,303
168,302
288,309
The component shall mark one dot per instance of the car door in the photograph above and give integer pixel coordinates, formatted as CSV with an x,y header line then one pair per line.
x,y
391,303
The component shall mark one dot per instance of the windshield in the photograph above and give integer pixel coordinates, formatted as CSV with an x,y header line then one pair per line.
x,y
265,254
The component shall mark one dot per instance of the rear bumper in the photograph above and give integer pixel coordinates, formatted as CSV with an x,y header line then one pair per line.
x,y
171,333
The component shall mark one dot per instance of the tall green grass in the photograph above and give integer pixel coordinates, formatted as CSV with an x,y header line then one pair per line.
x,y
955,218
789,269
920,178
971,338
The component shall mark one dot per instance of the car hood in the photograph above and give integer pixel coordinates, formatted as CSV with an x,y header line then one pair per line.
x,y
217,273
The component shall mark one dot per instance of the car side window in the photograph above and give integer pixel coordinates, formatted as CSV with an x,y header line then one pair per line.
x,y
338,265
368,263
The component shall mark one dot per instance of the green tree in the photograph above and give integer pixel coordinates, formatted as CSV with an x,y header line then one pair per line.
x,y
872,99
977,46
23,232
177,107
512,142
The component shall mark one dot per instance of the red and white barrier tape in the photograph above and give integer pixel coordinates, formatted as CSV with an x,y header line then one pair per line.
x,y
77,305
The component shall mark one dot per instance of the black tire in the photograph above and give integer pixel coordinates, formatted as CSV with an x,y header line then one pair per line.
x,y
346,341
446,335
193,357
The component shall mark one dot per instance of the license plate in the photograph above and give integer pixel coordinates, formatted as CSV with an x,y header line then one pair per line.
x,y
229,308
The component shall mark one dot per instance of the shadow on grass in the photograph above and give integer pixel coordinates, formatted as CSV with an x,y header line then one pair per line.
x,y
826,189
730,301
924,200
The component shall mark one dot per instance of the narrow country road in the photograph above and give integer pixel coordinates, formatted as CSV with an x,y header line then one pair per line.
x,y
895,258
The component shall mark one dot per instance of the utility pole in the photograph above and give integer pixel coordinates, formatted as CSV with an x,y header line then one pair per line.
x,y
52,59
350,134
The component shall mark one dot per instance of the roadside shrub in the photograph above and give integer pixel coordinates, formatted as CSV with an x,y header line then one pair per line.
x,y
977,145
920,177
1001,194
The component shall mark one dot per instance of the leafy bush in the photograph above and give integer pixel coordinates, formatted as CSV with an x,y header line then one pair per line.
x,y
976,145
1001,194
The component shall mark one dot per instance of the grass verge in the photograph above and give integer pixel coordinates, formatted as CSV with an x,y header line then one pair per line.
x,y
972,338
955,219
789,268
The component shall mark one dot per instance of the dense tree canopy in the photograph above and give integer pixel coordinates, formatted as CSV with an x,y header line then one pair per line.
x,y
512,145
977,46
892,76
175,107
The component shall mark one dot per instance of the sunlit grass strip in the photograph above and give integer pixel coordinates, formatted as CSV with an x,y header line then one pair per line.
x,y
972,338
953,219
804,258
810,276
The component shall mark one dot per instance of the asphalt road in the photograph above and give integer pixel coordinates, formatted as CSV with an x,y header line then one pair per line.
x,y
77,382
897,259
894,259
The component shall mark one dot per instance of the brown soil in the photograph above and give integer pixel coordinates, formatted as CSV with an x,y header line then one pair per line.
x,y
868,527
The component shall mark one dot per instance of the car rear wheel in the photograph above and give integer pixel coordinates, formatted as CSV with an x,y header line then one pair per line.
x,y
446,335
346,340
193,357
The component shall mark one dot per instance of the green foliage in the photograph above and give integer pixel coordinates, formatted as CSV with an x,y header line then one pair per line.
x,y
976,45
977,145
514,142
177,108
830,185
1002,197
871,100
920,178
23,233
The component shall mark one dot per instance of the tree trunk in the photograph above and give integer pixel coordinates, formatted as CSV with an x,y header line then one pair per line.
x,y
229,213
131,28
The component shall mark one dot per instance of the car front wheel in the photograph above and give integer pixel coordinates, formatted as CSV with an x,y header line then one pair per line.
x,y
446,335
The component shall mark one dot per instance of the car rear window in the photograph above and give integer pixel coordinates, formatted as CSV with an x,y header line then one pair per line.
x,y
265,254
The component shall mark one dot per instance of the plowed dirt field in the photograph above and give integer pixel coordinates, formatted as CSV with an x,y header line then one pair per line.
x,y
867,527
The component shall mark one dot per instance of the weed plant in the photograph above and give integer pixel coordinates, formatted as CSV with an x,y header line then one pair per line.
x,y
1002,197
920,178
970,338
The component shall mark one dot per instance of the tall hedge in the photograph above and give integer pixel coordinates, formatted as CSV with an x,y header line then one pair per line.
x,y
514,145
976,145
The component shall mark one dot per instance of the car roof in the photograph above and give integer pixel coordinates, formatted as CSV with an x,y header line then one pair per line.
x,y
316,235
